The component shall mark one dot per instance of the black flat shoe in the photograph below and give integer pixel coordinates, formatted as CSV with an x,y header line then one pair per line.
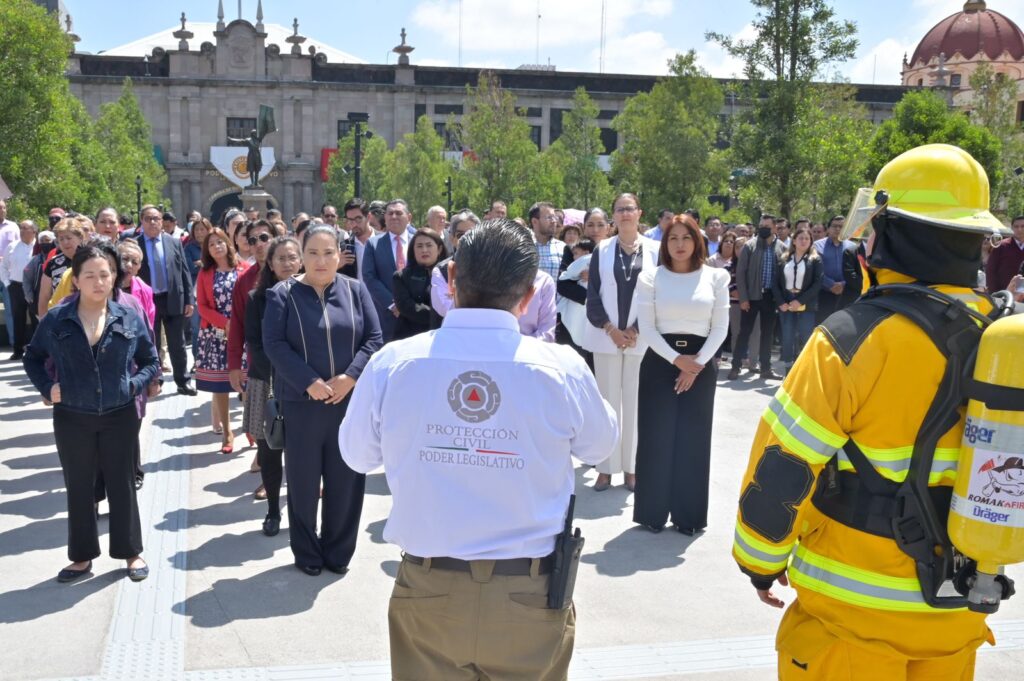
x,y
187,389
653,529
337,569
689,531
138,574
68,575
311,570
271,525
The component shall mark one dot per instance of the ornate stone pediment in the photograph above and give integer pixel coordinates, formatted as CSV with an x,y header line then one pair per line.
x,y
241,51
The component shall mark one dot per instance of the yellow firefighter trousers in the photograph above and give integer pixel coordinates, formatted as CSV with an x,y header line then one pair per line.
x,y
808,651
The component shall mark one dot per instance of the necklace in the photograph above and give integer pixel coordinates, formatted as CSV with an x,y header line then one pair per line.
x,y
627,271
92,324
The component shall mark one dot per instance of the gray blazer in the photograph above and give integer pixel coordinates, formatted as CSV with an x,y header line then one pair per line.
x,y
749,268
179,281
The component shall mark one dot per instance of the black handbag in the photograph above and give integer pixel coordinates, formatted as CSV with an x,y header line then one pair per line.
x,y
273,421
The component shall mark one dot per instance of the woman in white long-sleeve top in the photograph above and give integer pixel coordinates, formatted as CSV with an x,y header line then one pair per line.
x,y
683,313
613,335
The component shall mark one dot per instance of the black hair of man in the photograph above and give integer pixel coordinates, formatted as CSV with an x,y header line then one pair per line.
x,y
392,202
781,222
326,206
663,212
534,213
302,226
834,218
766,216
710,219
1019,217
252,226
355,203
274,214
693,213
801,221
495,265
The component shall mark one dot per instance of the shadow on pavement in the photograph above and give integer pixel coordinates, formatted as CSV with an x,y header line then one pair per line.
x,y
28,440
591,505
44,461
376,531
242,484
637,550
49,596
242,509
38,506
40,535
231,550
282,591
390,568
377,485
43,481
43,413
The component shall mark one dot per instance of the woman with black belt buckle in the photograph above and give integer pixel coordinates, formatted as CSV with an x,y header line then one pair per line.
x,y
319,331
683,313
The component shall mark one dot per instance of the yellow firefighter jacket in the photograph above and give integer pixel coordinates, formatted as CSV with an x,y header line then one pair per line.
x,y
874,388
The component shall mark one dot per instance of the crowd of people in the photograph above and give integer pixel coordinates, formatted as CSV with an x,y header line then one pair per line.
x,y
290,313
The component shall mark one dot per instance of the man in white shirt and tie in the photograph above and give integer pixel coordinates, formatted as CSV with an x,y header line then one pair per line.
x,y
481,485
12,267
386,254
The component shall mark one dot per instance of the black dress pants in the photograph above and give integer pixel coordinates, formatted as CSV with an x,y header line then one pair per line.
x,y
673,454
19,317
90,445
272,472
311,456
765,310
174,326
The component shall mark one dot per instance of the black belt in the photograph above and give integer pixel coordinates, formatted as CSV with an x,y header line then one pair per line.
x,y
684,343
509,567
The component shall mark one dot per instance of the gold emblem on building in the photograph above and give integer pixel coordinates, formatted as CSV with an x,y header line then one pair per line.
x,y
240,168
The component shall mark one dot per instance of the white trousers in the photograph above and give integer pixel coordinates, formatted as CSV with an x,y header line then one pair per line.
x,y
618,379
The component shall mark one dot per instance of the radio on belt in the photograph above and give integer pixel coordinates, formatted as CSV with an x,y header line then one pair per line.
x,y
565,563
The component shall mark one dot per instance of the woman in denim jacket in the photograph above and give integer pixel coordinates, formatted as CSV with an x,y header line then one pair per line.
x,y
93,341
319,331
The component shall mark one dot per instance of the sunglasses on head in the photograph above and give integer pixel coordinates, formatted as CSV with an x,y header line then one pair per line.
x,y
262,237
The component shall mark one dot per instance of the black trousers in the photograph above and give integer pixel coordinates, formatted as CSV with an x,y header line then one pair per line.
x,y
765,309
88,446
829,303
673,454
272,472
101,485
174,326
311,455
19,314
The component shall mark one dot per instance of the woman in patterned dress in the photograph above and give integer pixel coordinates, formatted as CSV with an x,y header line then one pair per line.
x,y
214,287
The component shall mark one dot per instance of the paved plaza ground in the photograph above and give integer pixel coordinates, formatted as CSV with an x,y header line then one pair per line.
x,y
223,602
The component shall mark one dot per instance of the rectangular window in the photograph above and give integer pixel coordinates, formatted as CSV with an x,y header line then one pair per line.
x,y
535,134
1020,112
955,80
419,110
534,112
610,139
344,128
240,128
451,139
448,109
555,123
606,114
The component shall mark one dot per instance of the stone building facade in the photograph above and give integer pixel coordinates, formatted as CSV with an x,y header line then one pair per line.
x,y
198,92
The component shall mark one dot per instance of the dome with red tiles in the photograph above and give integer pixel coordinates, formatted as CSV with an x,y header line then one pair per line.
x,y
976,32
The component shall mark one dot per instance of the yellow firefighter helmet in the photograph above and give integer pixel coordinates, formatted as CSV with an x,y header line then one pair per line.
x,y
936,184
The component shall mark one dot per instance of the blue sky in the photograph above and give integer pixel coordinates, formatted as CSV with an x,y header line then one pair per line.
x,y
640,36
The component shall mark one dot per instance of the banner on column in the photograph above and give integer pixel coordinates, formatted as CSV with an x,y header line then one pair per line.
x,y
230,162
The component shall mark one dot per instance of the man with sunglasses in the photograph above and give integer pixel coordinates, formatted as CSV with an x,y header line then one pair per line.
x,y
1006,259
258,235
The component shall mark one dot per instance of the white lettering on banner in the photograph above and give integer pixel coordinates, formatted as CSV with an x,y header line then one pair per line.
x,y
995,493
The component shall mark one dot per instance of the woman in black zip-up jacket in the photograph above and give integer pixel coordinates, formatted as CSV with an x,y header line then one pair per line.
x,y
319,331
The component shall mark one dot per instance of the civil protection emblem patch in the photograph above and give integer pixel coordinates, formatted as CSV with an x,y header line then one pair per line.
x,y
474,396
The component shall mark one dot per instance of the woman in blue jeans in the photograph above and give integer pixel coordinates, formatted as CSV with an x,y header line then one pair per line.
x,y
797,282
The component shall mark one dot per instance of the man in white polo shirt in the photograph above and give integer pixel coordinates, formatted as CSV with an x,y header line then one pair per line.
x,y
480,484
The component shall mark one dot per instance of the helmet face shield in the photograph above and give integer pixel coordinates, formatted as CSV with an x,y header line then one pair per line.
x,y
858,220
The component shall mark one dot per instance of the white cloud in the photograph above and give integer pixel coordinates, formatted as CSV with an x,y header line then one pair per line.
x,y
511,26
644,53
881,64
720,63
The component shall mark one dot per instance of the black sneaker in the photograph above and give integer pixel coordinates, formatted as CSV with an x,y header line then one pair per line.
x,y
271,525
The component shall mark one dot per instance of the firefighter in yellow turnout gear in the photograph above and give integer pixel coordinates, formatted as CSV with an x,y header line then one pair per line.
x,y
860,390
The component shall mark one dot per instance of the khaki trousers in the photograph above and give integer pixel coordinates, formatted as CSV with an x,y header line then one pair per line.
x,y
449,626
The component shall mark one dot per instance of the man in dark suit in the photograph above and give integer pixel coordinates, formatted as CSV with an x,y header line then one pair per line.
x,y
385,254
843,278
165,269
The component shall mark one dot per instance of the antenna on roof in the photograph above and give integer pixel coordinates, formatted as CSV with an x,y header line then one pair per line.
x,y
460,33
537,56
604,27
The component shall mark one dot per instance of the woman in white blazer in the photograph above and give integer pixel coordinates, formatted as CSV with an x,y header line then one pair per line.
x,y
613,335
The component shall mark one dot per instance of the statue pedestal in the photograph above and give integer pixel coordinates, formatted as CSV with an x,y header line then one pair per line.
x,y
256,197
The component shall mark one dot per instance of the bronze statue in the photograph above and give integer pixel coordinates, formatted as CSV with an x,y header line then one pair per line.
x,y
254,159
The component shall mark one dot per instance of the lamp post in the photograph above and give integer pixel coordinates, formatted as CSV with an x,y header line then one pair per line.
x,y
359,119
448,187
138,198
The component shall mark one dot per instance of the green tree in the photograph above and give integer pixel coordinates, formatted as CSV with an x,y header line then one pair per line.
x,y
584,183
994,106
125,133
924,117
668,136
795,42
420,169
501,153
375,171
